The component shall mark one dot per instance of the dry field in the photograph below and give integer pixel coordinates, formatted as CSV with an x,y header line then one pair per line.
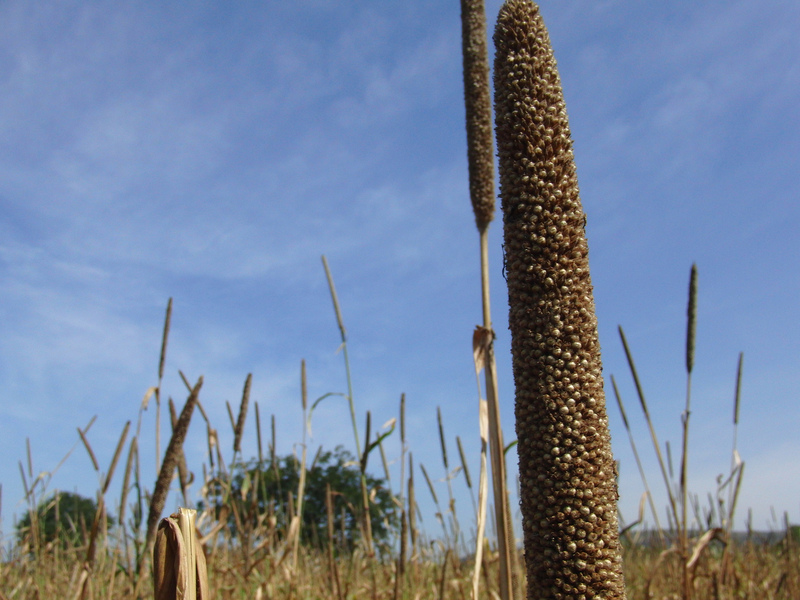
x,y
253,529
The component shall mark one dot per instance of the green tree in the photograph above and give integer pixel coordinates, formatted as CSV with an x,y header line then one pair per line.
x,y
64,516
274,483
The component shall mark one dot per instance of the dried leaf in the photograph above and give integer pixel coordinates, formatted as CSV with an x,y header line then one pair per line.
x,y
704,541
481,342
179,563
483,420
147,395
167,567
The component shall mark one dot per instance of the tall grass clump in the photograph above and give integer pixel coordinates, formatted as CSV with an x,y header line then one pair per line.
x,y
693,532
567,472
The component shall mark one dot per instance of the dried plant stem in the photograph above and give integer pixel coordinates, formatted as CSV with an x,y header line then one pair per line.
x,y
442,577
638,460
366,522
89,449
412,515
343,333
736,465
648,420
332,567
505,532
399,581
117,453
683,526
451,500
481,183
467,478
483,492
302,483
184,476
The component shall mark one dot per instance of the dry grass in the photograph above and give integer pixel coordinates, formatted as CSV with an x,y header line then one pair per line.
x,y
266,560
754,570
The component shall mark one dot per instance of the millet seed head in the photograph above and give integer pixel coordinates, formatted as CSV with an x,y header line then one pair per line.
x,y
567,471
479,111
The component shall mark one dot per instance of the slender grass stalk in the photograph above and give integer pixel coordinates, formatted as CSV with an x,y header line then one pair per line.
x,y
483,493
443,575
366,521
669,460
273,461
258,437
123,501
239,428
430,487
482,195
465,470
89,450
332,566
161,360
184,476
638,460
231,417
343,333
567,471
481,184
656,446
412,515
115,459
736,465
385,464
691,328
302,483
450,498
399,582
30,456
261,482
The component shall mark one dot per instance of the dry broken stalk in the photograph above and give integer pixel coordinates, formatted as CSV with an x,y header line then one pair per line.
x,y
481,187
567,472
179,565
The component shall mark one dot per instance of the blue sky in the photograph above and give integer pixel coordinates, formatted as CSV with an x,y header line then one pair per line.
x,y
213,153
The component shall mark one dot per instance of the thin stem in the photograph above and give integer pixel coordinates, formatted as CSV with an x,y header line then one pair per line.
x,y
343,333
638,460
505,541
653,436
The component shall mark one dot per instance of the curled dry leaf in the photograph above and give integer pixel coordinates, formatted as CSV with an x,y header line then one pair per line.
x,y
179,564
169,571
147,395
481,341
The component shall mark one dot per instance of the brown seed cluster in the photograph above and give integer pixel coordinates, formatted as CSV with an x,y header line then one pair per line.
x,y
567,472
479,111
